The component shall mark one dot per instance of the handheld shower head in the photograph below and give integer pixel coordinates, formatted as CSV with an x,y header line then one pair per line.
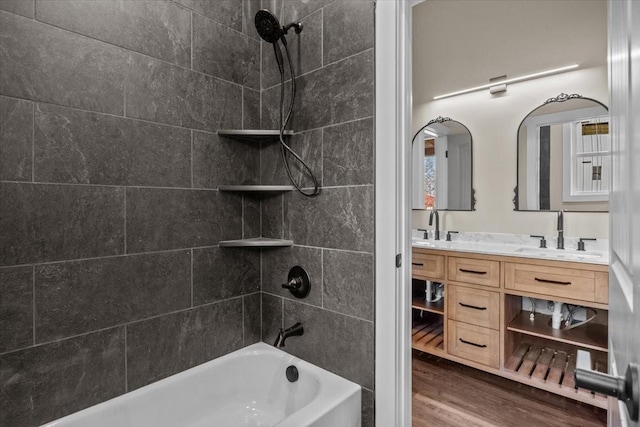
x,y
268,26
270,30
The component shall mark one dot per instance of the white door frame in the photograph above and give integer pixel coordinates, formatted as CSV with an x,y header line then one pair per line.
x,y
392,212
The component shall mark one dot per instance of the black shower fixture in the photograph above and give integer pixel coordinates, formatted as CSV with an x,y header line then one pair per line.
x,y
271,31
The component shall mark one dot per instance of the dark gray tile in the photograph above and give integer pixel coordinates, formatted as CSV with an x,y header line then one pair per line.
x,y
347,153
271,317
81,296
368,408
43,383
277,263
251,222
348,283
223,273
305,50
166,93
218,160
337,343
293,10
227,12
272,218
252,313
74,146
44,63
250,108
225,53
307,145
340,92
339,218
16,308
348,28
159,219
157,28
166,345
16,139
249,10
21,7
40,223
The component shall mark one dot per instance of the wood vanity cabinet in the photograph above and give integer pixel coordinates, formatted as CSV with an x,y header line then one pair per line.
x,y
482,320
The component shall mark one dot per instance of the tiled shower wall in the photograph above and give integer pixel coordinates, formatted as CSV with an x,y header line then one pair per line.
x,y
110,274
333,233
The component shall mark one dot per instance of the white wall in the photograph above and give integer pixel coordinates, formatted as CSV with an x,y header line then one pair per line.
x,y
476,40
493,122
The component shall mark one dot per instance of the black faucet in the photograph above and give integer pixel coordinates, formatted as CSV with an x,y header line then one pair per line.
x,y
294,331
560,230
436,232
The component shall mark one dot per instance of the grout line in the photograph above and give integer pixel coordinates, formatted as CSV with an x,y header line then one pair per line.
x,y
126,374
191,46
120,325
322,278
125,220
84,110
281,310
335,124
242,216
109,256
222,24
192,158
322,67
319,308
282,218
33,144
322,157
33,301
322,37
332,249
244,313
191,277
109,185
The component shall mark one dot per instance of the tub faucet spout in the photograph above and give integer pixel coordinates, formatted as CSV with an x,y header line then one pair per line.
x,y
294,331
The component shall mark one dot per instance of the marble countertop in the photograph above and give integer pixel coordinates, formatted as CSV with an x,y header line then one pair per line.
x,y
517,246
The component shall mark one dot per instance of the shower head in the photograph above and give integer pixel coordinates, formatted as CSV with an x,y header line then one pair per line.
x,y
268,26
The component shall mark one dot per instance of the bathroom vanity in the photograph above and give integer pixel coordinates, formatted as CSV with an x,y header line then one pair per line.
x,y
482,321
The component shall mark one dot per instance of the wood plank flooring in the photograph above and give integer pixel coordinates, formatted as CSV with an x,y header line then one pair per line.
x,y
448,394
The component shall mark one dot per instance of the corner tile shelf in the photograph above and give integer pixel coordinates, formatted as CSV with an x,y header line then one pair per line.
x,y
253,135
258,242
257,189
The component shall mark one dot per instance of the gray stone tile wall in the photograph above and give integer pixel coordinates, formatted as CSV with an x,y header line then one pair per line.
x,y
333,233
110,216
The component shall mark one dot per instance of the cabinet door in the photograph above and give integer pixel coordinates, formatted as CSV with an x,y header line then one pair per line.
x,y
474,306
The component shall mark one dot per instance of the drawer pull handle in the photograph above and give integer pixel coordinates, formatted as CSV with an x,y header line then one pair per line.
x,y
472,271
417,263
472,306
555,282
472,343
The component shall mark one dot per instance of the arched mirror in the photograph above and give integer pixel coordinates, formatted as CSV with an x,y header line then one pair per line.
x,y
442,171
564,156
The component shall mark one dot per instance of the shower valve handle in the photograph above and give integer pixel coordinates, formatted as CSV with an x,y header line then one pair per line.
x,y
298,282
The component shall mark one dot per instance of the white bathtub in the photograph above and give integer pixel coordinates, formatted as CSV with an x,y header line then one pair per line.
x,y
246,388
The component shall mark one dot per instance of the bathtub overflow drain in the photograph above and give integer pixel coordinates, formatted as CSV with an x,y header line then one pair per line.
x,y
292,374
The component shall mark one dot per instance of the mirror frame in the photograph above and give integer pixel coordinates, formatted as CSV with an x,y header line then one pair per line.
x,y
563,97
441,120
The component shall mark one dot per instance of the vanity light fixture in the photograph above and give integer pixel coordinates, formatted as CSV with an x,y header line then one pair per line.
x,y
513,80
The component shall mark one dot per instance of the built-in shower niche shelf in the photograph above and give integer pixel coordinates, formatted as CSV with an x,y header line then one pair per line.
x,y
253,135
258,242
257,190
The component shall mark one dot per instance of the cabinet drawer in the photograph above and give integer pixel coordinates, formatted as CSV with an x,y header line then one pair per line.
x,y
474,306
427,266
480,345
552,281
475,271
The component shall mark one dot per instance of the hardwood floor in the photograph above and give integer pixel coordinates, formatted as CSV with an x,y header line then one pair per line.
x,y
447,394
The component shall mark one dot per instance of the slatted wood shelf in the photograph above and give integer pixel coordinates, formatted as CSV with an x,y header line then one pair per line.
x,y
591,335
428,335
432,307
551,370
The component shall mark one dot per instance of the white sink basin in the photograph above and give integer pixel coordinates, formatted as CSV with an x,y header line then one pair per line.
x,y
559,254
